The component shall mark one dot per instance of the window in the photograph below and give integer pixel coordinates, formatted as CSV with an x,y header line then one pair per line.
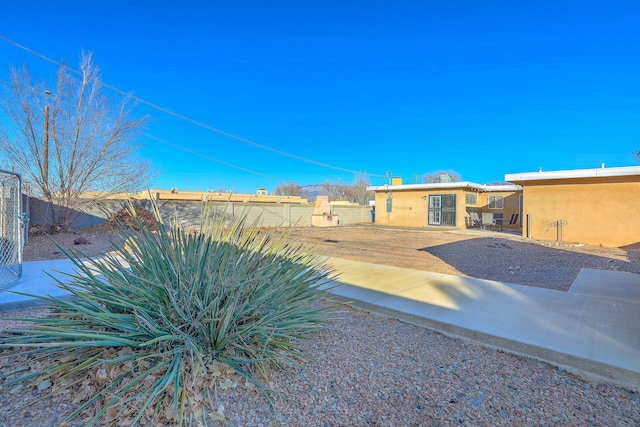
x,y
471,198
496,202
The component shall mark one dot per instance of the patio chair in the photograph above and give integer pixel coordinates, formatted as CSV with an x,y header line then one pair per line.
x,y
514,219
474,219
487,220
498,220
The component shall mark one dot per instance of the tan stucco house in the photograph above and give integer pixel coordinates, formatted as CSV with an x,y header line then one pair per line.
x,y
594,206
446,204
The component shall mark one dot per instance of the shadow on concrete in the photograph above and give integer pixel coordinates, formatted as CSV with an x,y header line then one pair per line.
x,y
525,263
634,247
568,330
586,333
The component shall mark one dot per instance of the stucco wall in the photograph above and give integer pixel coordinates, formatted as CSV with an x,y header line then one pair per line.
x,y
410,208
599,213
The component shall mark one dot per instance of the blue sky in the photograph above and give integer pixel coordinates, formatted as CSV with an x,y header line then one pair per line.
x,y
410,87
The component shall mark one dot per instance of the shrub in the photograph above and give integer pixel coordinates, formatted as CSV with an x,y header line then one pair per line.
x,y
132,216
150,326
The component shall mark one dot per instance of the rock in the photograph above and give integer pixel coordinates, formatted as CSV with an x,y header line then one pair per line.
x,y
81,241
42,385
478,402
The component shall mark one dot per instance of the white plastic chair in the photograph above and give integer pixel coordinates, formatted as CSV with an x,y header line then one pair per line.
x,y
487,220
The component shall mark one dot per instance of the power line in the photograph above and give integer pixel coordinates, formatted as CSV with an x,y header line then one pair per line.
x,y
188,150
188,119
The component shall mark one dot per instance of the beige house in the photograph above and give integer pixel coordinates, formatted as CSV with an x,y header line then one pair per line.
x,y
445,204
594,206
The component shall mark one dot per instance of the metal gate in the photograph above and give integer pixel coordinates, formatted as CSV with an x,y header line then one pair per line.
x,y
12,224
442,210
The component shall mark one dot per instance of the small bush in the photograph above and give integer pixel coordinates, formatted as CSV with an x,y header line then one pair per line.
x,y
152,326
131,217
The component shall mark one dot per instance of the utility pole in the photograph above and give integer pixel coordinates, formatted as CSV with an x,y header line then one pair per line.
x,y
45,151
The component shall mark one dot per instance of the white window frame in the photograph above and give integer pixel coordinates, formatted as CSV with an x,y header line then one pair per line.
x,y
471,199
495,202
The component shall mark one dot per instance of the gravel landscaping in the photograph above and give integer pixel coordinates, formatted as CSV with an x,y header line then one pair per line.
x,y
368,370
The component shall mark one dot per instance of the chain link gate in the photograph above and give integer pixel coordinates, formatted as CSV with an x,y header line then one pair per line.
x,y
12,227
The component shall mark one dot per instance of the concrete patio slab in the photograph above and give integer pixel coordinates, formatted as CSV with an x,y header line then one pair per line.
x,y
607,283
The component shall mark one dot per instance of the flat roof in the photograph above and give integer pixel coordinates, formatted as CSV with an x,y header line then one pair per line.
x,y
575,173
444,185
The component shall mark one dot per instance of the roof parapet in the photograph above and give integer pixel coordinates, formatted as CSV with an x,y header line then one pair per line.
x,y
445,185
575,173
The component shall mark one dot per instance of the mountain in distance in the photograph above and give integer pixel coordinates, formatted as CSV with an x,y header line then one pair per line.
x,y
313,190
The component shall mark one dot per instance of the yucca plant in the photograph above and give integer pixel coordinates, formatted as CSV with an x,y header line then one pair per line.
x,y
151,325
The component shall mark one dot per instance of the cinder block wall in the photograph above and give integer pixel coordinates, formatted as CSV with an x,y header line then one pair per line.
x,y
352,214
189,212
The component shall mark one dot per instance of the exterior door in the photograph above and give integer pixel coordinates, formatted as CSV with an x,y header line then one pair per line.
x,y
442,210
435,210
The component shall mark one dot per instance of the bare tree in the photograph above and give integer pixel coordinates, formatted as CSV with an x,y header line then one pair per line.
x,y
334,190
290,188
441,176
72,144
357,192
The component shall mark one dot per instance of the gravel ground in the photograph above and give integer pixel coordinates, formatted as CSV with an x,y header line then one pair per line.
x,y
504,257
368,370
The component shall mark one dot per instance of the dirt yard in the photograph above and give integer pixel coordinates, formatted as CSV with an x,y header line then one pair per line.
x,y
483,254
368,370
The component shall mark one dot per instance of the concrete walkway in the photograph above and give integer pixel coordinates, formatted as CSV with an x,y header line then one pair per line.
x,y
37,279
592,330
